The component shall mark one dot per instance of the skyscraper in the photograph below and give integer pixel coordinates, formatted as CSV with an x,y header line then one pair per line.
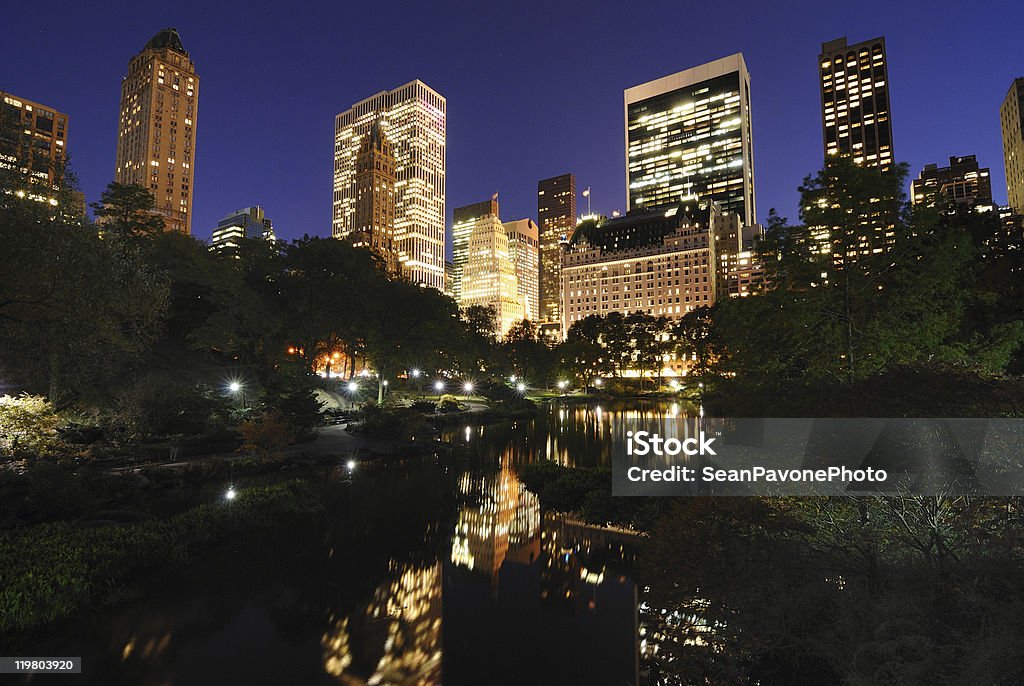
x,y
33,142
156,137
963,182
556,217
249,222
523,248
1011,117
855,117
689,134
464,220
488,275
374,219
413,119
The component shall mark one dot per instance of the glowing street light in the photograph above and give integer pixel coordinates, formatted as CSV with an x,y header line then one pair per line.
x,y
521,387
353,387
351,464
598,382
234,387
512,379
230,494
415,373
562,385
468,387
439,386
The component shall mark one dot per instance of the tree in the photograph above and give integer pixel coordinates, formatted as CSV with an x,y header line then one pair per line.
x,y
127,209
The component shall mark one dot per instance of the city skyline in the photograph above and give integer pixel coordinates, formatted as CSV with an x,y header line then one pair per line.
x,y
582,135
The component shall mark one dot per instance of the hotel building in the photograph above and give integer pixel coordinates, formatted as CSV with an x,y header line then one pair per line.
x,y
662,263
156,137
413,119
689,134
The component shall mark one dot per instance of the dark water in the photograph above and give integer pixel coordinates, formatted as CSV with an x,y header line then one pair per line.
x,y
435,570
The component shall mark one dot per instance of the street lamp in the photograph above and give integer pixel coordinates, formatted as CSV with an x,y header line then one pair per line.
x,y
562,385
439,386
230,494
468,387
351,464
598,382
353,387
237,389
521,387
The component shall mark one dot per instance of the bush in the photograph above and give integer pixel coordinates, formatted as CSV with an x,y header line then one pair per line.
x,y
52,570
28,428
424,406
448,403
399,423
266,435
162,406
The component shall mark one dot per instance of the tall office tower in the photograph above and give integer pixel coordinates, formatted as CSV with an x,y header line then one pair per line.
x,y
488,276
33,141
413,119
156,136
689,134
249,222
374,218
464,220
963,182
1011,116
556,217
855,118
523,248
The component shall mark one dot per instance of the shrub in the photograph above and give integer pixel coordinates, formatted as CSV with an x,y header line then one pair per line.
x,y
28,428
266,435
448,403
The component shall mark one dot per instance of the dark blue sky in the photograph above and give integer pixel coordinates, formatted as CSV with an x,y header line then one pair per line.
x,y
534,89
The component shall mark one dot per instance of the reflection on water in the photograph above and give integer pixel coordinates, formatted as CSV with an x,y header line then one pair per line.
x,y
433,570
402,624
581,434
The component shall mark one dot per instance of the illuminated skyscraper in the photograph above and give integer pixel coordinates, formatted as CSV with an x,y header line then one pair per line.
x,y
156,136
689,134
556,217
1011,117
488,276
524,253
855,102
464,219
413,119
33,141
374,221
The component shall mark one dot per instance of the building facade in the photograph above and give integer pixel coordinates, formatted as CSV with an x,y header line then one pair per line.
x,y
464,220
855,117
156,137
489,275
1011,119
413,118
374,218
556,220
740,269
689,134
963,182
249,222
524,251
661,263
33,146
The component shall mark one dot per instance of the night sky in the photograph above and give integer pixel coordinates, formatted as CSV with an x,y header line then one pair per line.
x,y
534,89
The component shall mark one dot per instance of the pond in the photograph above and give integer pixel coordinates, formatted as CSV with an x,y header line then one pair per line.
x,y
432,570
